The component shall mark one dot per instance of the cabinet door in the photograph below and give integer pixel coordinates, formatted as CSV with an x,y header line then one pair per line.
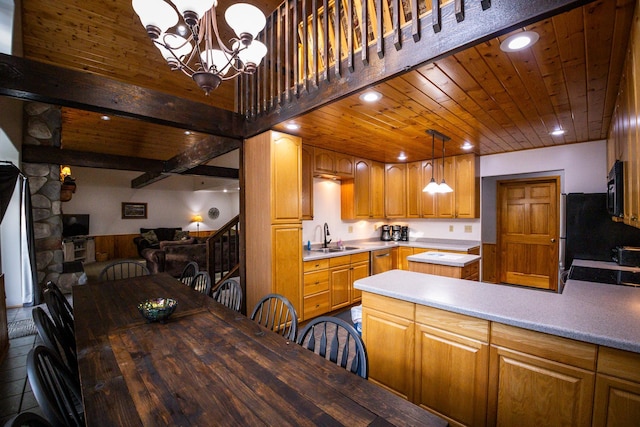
x,y
323,162
362,189
286,182
339,280
525,389
467,201
414,189
307,182
461,394
428,201
377,190
446,208
344,165
616,403
403,253
287,263
395,190
358,271
390,340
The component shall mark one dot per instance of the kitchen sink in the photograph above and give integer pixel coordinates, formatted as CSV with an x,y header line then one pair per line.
x,y
332,250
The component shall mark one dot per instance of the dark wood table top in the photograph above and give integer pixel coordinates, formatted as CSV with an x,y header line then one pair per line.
x,y
208,365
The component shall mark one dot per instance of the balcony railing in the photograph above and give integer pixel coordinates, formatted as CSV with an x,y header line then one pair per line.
x,y
223,252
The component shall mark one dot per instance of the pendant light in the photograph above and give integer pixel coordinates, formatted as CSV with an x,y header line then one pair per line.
x,y
433,187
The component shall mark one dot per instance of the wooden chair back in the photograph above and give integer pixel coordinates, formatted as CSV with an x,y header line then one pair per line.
x,y
229,293
275,312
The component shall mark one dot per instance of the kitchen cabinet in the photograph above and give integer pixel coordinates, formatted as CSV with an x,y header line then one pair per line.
x,y
414,189
317,298
468,272
343,271
388,332
559,372
273,182
462,175
457,345
331,164
405,251
617,392
467,186
363,196
307,182
445,205
395,190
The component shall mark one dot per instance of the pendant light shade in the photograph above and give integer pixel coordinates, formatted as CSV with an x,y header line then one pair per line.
x,y
433,187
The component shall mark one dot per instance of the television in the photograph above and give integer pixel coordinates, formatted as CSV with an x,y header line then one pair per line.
x,y
75,225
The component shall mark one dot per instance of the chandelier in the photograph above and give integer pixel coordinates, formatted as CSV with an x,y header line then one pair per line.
x,y
190,46
433,187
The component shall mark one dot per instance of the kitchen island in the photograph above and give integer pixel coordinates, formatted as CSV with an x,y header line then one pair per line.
x,y
515,355
460,266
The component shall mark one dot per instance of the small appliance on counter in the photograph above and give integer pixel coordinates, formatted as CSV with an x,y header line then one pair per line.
x,y
628,256
404,233
395,233
385,233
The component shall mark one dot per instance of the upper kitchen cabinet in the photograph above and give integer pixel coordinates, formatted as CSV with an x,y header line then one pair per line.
x,y
286,173
395,190
363,196
330,164
307,182
467,186
461,173
414,189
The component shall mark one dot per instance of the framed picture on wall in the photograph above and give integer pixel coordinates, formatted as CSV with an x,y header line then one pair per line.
x,y
134,210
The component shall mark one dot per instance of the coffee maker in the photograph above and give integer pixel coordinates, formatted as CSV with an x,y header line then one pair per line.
x,y
385,233
404,233
395,233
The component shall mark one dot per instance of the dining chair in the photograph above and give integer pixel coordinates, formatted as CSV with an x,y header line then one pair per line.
x,y
123,270
67,306
201,282
188,272
229,293
55,388
337,341
59,314
27,419
54,339
275,312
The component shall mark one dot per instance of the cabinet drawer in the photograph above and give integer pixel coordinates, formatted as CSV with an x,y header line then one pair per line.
x,y
460,324
318,264
316,282
316,305
340,260
471,270
619,363
362,256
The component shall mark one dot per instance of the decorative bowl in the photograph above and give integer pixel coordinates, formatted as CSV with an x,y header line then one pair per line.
x,y
157,309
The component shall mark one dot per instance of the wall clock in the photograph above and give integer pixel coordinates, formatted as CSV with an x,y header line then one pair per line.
x,y
214,213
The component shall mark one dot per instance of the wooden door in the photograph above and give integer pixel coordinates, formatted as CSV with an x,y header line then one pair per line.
x,y
323,162
466,194
403,253
528,227
395,190
358,271
339,281
286,178
414,189
344,165
446,208
362,189
287,264
428,202
377,190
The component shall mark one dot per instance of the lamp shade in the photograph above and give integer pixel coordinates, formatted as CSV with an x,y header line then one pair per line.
x,y
443,187
432,187
217,58
155,13
181,47
199,7
245,18
196,218
253,54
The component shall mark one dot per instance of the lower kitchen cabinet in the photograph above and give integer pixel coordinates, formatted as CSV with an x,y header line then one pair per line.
x,y
316,297
452,356
388,332
536,377
468,272
617,393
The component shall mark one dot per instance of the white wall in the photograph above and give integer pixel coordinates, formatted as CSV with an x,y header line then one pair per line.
x,y
171,202
582,168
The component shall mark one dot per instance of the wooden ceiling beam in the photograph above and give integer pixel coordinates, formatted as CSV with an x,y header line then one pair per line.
x,y
37,81
478,26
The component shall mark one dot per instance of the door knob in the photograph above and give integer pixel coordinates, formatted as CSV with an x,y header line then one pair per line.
x,y
553,240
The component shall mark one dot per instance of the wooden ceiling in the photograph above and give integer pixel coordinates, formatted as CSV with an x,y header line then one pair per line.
x,y
498,102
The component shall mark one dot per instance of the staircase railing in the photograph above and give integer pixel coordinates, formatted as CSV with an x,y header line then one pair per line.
x,y
223,252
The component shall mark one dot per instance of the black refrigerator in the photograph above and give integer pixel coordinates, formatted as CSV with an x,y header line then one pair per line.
x,y
590,233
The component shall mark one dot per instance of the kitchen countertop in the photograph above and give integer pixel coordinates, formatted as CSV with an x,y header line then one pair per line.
x,y
372,245
444,258
592,312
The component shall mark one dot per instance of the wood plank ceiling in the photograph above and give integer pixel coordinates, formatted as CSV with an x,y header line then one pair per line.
x,y
498,102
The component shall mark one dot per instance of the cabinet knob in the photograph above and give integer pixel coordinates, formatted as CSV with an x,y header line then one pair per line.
x,y
316,282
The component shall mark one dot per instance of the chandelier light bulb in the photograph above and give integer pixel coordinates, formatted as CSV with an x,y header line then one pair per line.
x,y
192,10
245,19
156,16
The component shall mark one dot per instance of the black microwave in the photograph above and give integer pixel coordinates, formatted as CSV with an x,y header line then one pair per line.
x,y
615,195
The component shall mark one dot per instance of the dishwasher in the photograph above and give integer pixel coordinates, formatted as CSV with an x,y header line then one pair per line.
x,y
381,261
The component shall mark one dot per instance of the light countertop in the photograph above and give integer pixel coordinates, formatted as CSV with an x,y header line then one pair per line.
x,y
444,258
592,312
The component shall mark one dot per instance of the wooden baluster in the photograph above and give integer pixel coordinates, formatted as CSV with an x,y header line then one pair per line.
x,y
265,73
486,4
278,73
397,39
272,67
287,49
436,17
305,46
325,33
415,21
294,35
350,35
380,44
314,35
337,38
364,26
459,10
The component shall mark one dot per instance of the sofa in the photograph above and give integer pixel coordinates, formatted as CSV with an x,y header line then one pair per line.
x,y
151,237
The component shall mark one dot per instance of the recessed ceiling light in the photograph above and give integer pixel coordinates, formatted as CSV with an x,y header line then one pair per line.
x,y
558,132
467,145
292,126
187,132
370,96
402,156
105,118
519,41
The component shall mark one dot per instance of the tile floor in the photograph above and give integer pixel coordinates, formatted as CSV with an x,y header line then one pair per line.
x,y
15,393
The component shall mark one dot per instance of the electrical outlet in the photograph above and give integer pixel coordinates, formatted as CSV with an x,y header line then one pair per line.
x,y
351,229
468,229
451,229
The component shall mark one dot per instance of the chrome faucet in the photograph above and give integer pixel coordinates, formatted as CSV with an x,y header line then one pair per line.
x,y
325,233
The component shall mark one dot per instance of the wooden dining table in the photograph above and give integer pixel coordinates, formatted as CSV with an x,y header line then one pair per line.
x,y
209,365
